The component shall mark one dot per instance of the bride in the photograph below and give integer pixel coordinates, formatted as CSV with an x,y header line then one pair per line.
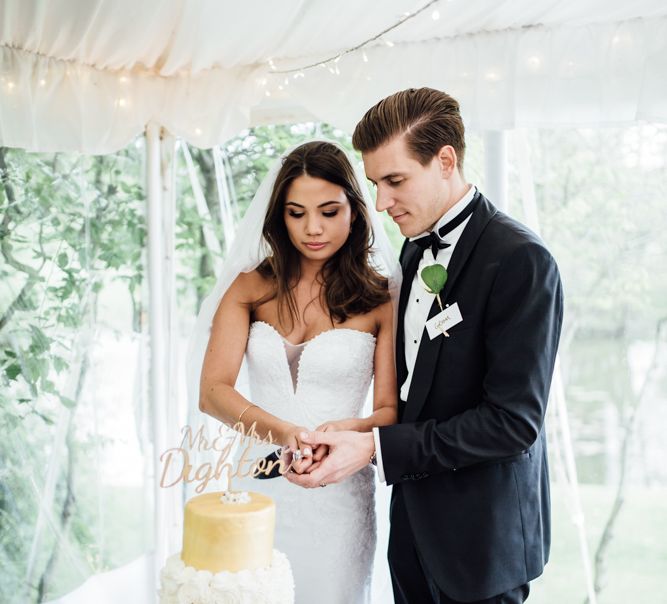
x,y
303,299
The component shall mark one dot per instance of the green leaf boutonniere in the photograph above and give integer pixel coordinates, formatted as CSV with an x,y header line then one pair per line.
x,y
433,278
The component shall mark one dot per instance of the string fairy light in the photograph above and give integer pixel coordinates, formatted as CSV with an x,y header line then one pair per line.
x,y
405,17
491,75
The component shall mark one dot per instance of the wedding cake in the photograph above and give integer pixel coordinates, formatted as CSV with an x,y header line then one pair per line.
x,y
228,554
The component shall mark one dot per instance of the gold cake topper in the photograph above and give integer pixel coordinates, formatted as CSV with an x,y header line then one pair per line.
x,y
225,444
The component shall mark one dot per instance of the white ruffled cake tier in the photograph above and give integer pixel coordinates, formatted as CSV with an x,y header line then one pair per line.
x,y
181,584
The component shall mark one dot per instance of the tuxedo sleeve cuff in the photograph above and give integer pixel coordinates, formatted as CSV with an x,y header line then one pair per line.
x,y
404,452
378,454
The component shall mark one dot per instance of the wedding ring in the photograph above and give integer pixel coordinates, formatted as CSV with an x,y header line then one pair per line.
x,y
322,484
297,455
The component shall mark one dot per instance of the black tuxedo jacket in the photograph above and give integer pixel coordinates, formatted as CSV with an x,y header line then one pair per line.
x,y
468,455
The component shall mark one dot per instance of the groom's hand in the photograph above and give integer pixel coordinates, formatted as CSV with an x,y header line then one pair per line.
x,y
321,451
348,453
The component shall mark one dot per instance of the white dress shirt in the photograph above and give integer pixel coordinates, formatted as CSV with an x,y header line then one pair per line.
x,y
420,301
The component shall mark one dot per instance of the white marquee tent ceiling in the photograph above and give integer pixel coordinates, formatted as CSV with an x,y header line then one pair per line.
x,y
168,36
89,74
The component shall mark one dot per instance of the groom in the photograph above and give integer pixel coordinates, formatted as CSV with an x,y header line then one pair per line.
x,y
470,511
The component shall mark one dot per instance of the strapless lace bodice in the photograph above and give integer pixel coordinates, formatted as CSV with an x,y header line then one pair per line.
x,y
328,534
334,371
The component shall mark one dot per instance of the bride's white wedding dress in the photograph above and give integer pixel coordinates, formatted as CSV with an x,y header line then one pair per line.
x,y
328,534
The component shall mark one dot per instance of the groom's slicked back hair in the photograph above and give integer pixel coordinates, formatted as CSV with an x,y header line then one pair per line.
x,y
429,118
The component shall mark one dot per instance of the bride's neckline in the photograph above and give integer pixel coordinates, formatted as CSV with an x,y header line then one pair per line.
x,y
306,342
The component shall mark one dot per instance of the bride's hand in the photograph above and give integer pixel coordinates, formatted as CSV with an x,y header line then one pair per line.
x,y
340,425
291,439
319,453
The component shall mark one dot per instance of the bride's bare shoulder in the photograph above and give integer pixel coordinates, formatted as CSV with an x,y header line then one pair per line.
x,y
249,287
384,313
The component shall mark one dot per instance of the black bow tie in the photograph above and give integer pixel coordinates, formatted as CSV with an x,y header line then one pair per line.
x,y
434,240
431,241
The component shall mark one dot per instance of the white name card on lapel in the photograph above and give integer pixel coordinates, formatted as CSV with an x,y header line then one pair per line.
x,y
438,325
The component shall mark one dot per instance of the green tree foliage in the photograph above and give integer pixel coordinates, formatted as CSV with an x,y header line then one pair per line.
x,y
70,225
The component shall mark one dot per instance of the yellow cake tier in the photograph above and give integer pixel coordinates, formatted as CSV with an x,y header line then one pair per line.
x,y
221,536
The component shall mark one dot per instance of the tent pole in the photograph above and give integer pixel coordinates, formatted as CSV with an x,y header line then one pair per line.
x,y
157,325
171,409
495,167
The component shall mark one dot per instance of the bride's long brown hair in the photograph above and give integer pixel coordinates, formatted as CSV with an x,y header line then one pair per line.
x,y
351,286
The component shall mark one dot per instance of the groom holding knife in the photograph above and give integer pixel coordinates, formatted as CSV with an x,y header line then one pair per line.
x,y
479,320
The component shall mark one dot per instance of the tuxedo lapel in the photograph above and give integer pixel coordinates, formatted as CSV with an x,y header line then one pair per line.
x,y
410,256
478,221
429,350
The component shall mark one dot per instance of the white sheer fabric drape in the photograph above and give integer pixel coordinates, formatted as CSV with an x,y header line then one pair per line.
x,y
538,77
52,105
200,69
